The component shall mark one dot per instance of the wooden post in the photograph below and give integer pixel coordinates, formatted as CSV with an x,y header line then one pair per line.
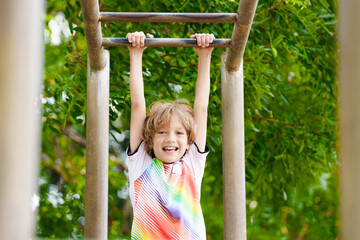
x,y
92,25
97,125
20,77
240,34
349,118
97,151
233,125
233,152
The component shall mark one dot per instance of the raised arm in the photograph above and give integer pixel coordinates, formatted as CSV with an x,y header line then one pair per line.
x,y
138,106
202,90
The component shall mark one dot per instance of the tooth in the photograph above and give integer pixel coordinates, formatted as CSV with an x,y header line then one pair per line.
x,y
170,148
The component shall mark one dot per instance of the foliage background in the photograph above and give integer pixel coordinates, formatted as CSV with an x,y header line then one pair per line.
x,y
290,84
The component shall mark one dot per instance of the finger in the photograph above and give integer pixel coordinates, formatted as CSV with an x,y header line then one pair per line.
x,y
138,39
203,40
128,36
150,35
198,39
207,40
212,37
142,40
193,36
133,39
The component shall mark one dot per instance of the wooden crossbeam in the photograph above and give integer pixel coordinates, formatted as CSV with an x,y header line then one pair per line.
x,y
164,42
168,17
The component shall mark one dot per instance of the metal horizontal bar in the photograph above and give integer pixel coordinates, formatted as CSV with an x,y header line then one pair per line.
x,y
167,17
164,42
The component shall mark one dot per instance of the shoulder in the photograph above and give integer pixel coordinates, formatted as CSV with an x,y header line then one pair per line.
x,y
140,150
195,151
195,158
137,161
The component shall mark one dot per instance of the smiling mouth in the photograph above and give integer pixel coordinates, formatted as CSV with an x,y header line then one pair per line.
x,y
170,149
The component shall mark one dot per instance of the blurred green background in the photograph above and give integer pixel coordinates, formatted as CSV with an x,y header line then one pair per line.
x,y
290,85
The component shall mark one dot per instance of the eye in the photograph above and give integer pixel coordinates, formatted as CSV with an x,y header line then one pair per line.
x,y
180,133
161,132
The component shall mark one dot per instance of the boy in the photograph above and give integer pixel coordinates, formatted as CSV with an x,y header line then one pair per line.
x,y
167,153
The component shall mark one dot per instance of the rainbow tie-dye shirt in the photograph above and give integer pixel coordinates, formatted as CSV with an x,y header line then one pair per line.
x,y
166,197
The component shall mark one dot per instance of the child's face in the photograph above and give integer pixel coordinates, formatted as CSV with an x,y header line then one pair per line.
x,y
170,141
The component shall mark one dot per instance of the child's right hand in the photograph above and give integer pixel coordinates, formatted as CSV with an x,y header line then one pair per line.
x,y
203,41
137,40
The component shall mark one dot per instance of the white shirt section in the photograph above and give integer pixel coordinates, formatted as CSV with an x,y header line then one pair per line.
x,y
137,163
196,161
140,160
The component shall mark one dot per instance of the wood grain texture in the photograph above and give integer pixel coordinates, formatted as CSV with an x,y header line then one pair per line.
x,y
167,17
240,34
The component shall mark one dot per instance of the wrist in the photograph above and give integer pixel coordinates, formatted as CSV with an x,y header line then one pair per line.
x,y
204,58
136,51
204,54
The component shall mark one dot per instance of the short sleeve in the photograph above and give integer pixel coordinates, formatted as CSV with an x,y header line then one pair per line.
x,y
196,159
137,164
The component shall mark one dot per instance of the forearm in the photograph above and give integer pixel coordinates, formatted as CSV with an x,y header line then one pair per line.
x,y
138,108
201,102
136,80
202,90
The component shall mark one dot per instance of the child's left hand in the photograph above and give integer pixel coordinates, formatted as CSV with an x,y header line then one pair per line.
x,y
203,41
137,40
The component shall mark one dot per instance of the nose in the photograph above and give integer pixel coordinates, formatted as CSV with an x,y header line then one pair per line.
x,y
170,137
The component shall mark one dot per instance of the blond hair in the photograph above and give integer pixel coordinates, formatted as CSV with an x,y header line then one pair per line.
x,y
161,113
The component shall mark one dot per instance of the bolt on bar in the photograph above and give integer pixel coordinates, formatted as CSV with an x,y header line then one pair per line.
x,y
168,17
164,42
